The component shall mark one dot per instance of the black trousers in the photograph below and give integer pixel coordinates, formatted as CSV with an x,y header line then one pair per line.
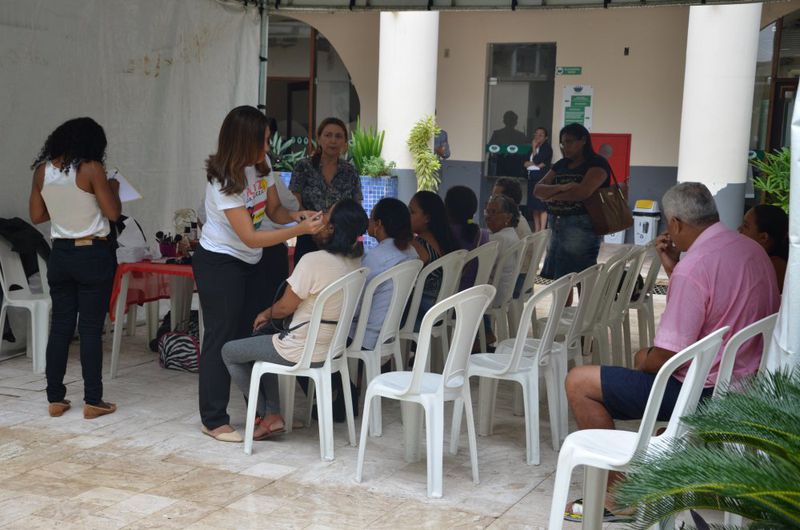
x,y
80,278
227,290
273,269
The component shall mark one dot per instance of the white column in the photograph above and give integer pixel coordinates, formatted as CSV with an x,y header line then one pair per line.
x,y
718,101
409,44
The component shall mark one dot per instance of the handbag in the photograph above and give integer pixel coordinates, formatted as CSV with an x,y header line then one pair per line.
x,y
280,326
608,209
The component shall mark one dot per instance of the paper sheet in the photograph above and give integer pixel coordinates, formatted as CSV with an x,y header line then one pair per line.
x,y
127,192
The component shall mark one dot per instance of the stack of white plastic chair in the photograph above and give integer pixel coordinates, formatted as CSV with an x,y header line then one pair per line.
x,y
643,304
614,319
498,312
400,280
534,251
514,366
38,304
431,390
604,450
349,288
451,265
595,329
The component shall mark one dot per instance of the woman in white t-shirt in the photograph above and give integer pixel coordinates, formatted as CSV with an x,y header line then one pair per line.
x,y
240,194
341,254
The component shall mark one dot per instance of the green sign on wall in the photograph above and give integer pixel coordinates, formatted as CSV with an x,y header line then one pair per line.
x,y
569,70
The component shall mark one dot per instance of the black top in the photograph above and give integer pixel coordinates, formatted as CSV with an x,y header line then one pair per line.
x,y
565,174
544,156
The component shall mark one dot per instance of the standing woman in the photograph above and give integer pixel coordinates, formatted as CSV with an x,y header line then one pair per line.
x,y
574,245
325,178
70,189
538,165
240,193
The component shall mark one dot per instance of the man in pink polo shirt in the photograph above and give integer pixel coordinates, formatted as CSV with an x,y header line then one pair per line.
x,y
723,279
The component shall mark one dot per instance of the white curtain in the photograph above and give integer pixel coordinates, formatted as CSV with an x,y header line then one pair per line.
x,y
784,349
159,76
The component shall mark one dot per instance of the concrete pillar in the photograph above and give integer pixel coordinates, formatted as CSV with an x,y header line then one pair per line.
x,y
409,43
718,101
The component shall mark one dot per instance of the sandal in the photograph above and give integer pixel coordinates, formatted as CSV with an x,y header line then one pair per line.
x,y
233,436
266,431
575,514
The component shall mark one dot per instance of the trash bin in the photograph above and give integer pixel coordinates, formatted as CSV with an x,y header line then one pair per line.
x,y
646,216
615,237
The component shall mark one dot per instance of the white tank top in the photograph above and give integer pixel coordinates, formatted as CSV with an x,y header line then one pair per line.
x,y
74,213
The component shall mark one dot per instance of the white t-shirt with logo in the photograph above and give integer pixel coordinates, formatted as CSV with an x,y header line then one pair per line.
x,y
218,235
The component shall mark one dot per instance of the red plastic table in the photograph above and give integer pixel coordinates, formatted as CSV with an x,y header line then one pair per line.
x,y
139,283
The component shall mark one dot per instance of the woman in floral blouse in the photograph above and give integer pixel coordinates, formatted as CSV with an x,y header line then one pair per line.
x,y
325,178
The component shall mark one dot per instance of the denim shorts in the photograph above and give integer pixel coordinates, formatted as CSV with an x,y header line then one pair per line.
x,y
625,393
573,247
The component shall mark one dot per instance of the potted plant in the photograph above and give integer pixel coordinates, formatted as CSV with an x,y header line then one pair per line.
x,y
426,163
774,175
741,455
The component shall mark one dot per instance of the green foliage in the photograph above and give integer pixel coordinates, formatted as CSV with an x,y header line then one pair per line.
x,y
283,159
365,151
741,455
774,177
426,163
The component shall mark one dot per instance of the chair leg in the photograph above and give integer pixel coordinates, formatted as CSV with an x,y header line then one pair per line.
x,y
412,427
286,385
325,415
371,371
517,408
348,406
473,440
362,445
131,321
151,315
626,338
252,402
594,495
310,395
2,320
487,397
455,429
434,429
563,404
530,394
551,380
560,490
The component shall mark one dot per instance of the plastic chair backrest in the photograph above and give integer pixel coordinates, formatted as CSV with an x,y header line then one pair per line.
x,y
558,291
652,271
401,279
594,300
470,305
701,354
486,255
513,254
537,245
633,266
763,327
451,273
606,291
586,280
349,286
12,272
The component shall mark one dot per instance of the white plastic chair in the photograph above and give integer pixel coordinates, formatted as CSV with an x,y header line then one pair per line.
x,y
486,255
643,305
38,304
614,319
604,450
451,265
431,390
401,279
534,251
514,366
499,309
349,288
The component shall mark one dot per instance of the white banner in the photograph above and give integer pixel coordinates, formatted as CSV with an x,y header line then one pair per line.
x,y
158,76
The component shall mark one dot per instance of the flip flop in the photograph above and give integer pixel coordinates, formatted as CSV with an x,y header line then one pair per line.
x,y
269,433
232,437
575,514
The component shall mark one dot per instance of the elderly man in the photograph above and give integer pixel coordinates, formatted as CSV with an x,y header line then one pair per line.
x,y
723,279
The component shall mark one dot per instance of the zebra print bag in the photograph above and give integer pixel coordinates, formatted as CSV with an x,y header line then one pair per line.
x,y
180,350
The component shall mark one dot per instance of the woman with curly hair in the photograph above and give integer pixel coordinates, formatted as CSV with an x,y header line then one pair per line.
x,y
70,189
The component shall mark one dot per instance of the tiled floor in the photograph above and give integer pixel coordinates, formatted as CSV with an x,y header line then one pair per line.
x,y
148,465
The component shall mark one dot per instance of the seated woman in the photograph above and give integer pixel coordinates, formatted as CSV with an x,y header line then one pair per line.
x,y
390,224
340,255
433,240
502,216
511,189
768,225
461,204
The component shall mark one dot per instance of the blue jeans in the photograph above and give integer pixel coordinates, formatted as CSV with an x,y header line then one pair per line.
x,y
80,281
573,247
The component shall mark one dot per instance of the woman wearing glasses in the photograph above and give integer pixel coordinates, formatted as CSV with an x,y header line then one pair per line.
x,y
325,178
574,245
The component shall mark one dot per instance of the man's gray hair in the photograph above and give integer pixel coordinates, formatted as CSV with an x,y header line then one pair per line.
x,y
692,203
